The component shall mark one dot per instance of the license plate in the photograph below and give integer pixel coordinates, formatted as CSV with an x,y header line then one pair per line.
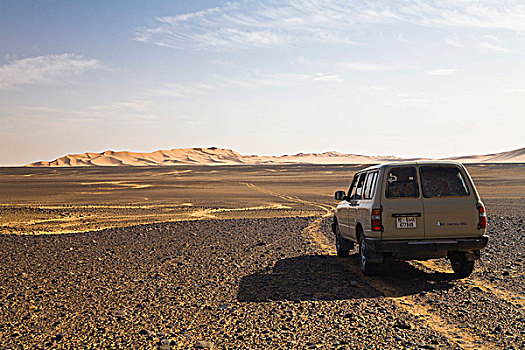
x,y
408,222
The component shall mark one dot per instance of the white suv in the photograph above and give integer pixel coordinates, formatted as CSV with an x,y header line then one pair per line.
x,y
411,211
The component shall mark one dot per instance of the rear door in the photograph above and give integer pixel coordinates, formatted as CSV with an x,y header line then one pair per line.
x,y
364,210
449,202
402,204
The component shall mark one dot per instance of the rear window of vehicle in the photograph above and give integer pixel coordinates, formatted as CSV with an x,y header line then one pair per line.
x,y
442,181
370,184
402,183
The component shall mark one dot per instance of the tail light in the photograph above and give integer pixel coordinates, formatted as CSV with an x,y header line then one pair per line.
x,y
376,220
482,216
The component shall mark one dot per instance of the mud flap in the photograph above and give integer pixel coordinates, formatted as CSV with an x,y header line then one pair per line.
x,y
373,256
376,258
346,244
470,255
473,255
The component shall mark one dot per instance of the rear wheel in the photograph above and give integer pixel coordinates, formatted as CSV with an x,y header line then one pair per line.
x,y
461,265
368,268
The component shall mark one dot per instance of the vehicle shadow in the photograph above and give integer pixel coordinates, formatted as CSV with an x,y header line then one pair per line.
x,y
327,277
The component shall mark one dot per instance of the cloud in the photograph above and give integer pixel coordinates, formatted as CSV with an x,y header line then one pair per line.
x,y
373,67
492,47
258,80
327,77
356,66
250,80
133,110
443,71
130,111
454,42
43,69
272,23
375,88
483,43
483,14
252,23
517,90
182,90
135,106
414,99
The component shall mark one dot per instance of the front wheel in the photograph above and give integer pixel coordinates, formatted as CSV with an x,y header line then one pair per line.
x,y
342,246
368,268
461,265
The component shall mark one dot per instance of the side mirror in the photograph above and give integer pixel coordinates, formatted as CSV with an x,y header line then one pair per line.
x,y
340,195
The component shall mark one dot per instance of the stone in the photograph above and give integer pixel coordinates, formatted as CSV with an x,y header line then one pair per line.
x,y
118,313
203,345
349,317
164,344
402,324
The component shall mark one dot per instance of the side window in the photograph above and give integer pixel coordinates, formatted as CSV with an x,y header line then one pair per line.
x,y
370,185
442,181
402,183
360,186
366,185
351,191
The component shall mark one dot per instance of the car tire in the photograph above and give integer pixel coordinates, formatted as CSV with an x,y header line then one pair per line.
x,y
342,246
368,268
461,265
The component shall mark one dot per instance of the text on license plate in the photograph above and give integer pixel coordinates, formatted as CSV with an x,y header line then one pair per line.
x,y
406,222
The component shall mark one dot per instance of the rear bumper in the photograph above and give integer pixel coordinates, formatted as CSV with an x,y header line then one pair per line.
x,y
420,246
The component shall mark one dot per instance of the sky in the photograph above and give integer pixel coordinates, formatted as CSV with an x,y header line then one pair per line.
x,y
405,78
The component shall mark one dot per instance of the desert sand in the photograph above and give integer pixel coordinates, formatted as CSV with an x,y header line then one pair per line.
x,y
219,156
236,257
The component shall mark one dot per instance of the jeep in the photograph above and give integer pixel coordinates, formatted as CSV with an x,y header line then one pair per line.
x,y
411,211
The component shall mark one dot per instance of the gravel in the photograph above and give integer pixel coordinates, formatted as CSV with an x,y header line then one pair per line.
x,y
248,283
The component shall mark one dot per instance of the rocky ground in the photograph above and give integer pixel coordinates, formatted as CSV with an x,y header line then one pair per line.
x,y
255,268
250,284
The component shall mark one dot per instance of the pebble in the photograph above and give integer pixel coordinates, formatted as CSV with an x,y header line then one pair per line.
x,y
142,284
118,313
164,344
402,324
204,345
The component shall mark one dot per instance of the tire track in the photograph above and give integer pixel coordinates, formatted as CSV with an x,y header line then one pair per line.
x,y
312,230
208,213
292,199
461,338
514,299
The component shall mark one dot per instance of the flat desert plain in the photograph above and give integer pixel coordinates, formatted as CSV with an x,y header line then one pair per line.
x,y
236,257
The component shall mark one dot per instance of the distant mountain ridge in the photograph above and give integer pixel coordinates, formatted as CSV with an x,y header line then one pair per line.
x,y
221,156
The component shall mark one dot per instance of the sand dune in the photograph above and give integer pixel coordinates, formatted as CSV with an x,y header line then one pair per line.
x,y
515,156
220,156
